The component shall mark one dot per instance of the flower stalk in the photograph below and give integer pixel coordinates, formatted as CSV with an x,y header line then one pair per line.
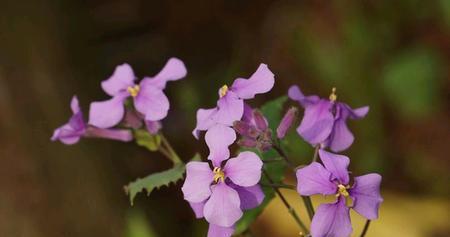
x,y
291,210
366,227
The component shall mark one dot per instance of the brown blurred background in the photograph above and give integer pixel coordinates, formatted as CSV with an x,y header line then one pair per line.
x,y
391,55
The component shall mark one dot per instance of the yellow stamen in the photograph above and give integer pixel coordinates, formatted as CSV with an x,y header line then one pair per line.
x,y
223,91
333,96
342,190
134,90
219,175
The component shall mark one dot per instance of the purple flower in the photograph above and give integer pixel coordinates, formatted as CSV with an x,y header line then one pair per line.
x,y
230,106
254,130
148,96
71,132
332,178
222,193
324,121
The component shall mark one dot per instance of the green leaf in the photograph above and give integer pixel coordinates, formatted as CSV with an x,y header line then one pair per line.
x,y
147,140
157,180
273,111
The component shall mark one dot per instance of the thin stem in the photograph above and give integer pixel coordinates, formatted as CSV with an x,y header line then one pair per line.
x,y
306,199
173,155
283,155
366,227
309,206
285,202
165,152
316,153
285,186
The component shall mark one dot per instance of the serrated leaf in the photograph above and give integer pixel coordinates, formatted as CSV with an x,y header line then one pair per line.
x,y
147,140
157,180
272,110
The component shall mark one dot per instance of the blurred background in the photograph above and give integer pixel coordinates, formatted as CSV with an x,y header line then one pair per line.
x,y
391,55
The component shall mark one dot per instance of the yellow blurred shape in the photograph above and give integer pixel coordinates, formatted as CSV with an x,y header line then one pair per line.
x,y
400,215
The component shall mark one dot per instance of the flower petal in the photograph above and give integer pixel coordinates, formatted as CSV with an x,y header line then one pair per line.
x,y
332,220
172,71
341,137
218,139
223,207
245,169
261,81
366,195
204,121
317,122
67,134
106,114
219,231
251,197
336,164
153,127
121,79
296,94
314,179
197,207
152,102
230,109
358,113
196,187
75,105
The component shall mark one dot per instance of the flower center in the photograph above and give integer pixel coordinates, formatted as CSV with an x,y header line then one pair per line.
x,y
223,91
219,175
333,96
342,190
134,90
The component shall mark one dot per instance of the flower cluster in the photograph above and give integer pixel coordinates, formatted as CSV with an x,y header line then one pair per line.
x,y
324,125
222,188
220,192
150,106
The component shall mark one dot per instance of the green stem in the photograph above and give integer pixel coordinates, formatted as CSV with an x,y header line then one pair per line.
x,y
309,206
173,155
285,186
291,210
283,155
366,227
306,199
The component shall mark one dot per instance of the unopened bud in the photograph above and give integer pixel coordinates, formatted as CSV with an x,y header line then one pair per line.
x,y
241,127
287,122
247,142
260,121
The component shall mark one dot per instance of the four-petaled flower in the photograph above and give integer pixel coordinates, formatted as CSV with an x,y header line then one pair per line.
x,y
71,132
333,179
230,106
222,193
324,121
148,96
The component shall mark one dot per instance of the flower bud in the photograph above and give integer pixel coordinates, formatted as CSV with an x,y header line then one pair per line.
x,y
286,122
260,121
